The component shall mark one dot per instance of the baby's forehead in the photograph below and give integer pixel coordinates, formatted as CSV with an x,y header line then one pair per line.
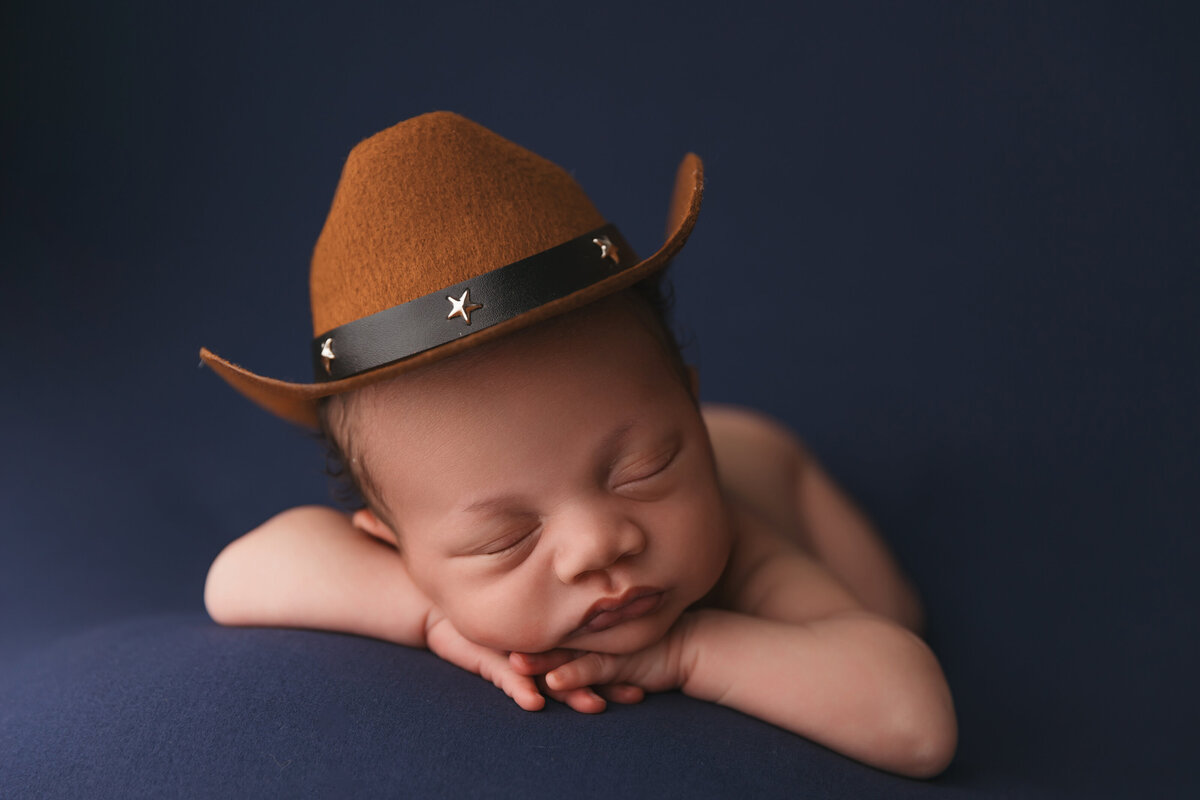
x,y
518,409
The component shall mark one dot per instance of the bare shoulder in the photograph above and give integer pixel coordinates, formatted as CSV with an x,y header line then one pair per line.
x,y
308,516
833,548
758,458
745,427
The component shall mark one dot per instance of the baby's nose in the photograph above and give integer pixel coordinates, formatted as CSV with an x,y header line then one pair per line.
x,y
596,543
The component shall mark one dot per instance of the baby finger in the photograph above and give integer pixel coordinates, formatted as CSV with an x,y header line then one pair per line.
x,y
584,700
590,669
522,690
625,693
540,663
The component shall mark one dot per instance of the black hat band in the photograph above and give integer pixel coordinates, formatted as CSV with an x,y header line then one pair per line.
x,y
470,306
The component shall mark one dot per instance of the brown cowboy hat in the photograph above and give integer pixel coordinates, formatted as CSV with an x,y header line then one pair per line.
x,y
443,235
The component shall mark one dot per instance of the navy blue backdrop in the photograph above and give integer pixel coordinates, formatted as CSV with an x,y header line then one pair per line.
x,y
954,245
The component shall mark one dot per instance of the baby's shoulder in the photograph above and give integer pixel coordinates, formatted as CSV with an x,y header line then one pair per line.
x,y
748,425
758,458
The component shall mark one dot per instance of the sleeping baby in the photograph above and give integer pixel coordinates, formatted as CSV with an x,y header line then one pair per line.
x,y
544,500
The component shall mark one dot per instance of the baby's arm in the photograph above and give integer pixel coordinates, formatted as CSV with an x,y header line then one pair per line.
x,y
853,681
797,650
309,567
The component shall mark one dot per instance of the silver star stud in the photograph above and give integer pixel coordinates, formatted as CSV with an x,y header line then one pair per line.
x,y
327,353
462,307
607,248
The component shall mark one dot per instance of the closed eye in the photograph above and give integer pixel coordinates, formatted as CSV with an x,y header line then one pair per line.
x,y
509,544
650,468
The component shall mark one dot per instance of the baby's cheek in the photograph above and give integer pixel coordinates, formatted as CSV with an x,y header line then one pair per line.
x,y
708,538
698,520
509,634
503,622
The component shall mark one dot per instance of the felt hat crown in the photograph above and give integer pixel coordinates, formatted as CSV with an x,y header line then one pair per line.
x,y
443,235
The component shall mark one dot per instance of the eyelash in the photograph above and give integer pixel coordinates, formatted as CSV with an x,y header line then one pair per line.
x,y
517,542
658,471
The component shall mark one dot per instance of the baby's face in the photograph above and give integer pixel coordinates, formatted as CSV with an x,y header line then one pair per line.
x,y
554,489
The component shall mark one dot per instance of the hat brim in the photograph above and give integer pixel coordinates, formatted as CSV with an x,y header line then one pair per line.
x,y
297,402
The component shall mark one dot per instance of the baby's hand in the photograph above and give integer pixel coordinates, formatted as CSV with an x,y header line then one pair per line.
x,y
622,678
586,697
443,639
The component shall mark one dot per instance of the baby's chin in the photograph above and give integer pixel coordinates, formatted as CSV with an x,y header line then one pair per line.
x,y
628,637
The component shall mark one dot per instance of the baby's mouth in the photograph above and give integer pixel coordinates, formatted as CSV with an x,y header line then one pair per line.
x,y
611,611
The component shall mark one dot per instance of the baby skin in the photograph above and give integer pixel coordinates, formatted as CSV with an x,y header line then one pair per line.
x,y
558,514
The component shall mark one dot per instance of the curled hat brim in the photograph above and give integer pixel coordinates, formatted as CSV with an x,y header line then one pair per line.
x,y
297,402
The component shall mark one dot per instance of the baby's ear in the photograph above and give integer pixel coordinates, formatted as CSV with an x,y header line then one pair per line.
x,y
365,520
694,380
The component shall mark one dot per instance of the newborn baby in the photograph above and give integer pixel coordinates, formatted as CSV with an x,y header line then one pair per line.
x,y
554,510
